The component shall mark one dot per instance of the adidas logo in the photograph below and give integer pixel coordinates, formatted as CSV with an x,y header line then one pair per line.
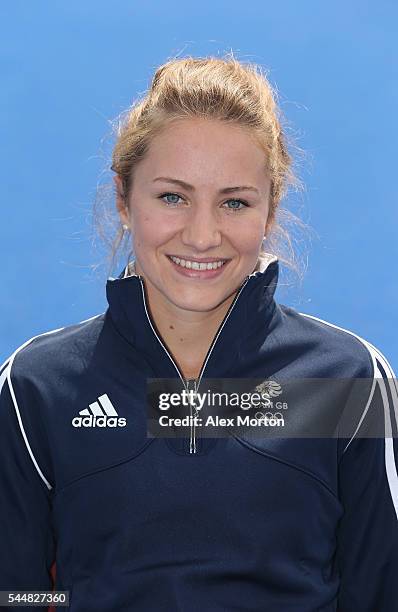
x,y
99,414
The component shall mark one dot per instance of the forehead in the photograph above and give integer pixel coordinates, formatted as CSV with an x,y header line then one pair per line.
x,y
202,151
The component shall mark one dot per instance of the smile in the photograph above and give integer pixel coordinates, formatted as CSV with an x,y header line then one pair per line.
x,y
195,265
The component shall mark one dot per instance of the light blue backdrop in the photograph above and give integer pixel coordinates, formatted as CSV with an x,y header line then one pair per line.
x,y
67,68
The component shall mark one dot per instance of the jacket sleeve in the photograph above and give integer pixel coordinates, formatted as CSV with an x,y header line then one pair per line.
x,y
367,538
27,547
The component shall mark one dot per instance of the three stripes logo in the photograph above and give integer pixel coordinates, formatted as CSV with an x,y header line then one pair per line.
x,y
99,414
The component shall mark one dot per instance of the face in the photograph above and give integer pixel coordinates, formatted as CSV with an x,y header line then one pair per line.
x,y
197,210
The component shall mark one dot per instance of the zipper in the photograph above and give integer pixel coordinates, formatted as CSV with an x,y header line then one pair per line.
x,y
193,413
192,440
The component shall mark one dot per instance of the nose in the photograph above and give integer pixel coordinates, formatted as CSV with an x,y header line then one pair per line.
x,y
202,230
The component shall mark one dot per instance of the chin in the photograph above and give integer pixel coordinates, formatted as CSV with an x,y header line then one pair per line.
x,y
194,304
198,301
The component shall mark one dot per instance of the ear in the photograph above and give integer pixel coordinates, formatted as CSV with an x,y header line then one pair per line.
x,y
121,202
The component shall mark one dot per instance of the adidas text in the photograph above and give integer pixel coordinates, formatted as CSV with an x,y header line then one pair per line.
x,y
101,421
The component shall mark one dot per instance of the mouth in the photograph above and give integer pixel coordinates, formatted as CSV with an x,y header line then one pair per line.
x,y
202,268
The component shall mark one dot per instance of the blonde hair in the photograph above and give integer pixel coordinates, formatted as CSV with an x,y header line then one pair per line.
x,y
211,88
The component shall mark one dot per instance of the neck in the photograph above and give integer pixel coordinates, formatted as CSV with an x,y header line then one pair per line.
x,y
187,334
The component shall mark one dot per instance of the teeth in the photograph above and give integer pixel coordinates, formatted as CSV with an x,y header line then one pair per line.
x,y
195,265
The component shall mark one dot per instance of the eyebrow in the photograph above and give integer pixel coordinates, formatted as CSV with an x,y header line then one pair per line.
x,y
191,188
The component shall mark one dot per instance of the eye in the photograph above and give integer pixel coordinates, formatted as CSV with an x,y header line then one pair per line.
x,y
167,195
173,203
244,204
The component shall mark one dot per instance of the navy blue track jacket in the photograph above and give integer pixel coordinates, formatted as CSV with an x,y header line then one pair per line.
x,y
227,524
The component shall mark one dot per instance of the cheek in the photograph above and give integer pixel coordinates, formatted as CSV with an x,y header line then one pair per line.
x,y
247,237
151,229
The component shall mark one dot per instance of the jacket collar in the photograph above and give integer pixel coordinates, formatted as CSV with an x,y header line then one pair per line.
x,y
249,315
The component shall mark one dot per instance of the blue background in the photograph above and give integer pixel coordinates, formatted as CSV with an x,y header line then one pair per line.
x,y
69,68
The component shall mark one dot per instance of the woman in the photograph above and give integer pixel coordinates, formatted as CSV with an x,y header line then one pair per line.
x,y
235,522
